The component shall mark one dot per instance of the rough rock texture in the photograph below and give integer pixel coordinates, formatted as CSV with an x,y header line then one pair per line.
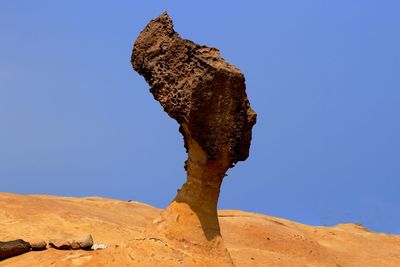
x,y
198,88
13,248
206,96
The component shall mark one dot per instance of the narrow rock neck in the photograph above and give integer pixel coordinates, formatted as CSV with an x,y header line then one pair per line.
x,y
192,216
201,193
202,188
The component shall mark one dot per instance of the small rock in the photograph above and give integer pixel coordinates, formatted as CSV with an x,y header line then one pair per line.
x,y
38,245
75,245
60,244
99,246
86,242
13,248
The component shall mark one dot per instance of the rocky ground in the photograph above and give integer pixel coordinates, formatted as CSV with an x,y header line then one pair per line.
x,y
252,239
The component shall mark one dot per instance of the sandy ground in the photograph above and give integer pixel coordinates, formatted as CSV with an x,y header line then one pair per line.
x,y
252,239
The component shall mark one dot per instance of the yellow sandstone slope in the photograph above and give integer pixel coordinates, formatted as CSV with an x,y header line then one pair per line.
x,y
252,239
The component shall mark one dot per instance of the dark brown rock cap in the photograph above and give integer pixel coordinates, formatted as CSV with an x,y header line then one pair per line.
x,y
198,88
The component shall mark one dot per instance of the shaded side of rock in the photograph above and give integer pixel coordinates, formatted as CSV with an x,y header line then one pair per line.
x,y
60,244
13,248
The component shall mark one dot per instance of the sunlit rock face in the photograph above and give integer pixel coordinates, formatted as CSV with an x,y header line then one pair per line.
x,y
207,97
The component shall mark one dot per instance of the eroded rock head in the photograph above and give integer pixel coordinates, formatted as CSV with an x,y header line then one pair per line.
x,y
198,88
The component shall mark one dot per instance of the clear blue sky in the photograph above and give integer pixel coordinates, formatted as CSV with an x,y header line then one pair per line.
x,y
323,76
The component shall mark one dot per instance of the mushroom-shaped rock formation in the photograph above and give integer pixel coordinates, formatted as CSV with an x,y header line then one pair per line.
x,y
207,97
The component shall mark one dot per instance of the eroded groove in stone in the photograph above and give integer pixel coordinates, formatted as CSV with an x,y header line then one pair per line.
x,y
207,97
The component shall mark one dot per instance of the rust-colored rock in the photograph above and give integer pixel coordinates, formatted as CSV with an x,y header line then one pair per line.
x,y
75,245
85,242
37,245
207,97
60,244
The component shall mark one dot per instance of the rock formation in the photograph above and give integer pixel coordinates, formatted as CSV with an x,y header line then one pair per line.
x,y
86,242
206,95
38,245
60,244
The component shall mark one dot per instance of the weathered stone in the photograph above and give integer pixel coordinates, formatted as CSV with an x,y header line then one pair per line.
x,y
86,242
198,88
60,244
38,245
207,97
13,248
75,245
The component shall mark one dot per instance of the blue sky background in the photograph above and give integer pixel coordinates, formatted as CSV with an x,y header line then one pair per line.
x,y
323,76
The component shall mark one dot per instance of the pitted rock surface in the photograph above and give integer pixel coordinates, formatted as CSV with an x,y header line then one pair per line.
x,y
198,88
